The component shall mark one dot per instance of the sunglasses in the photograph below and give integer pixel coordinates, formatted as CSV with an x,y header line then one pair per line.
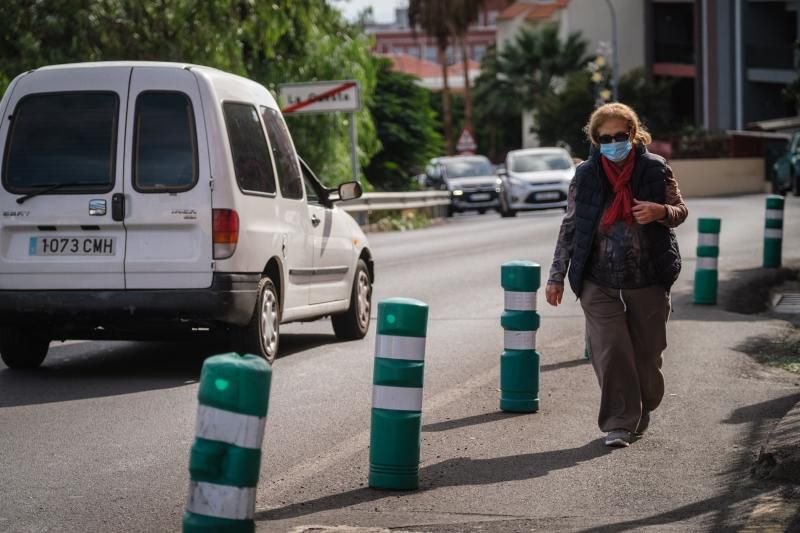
x,y
617,137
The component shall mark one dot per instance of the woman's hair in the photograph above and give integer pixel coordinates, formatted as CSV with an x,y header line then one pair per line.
x,y
616,110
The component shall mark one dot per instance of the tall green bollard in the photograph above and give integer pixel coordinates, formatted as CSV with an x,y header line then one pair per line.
x,y
226,455
519,363
773,232
706,277
396,427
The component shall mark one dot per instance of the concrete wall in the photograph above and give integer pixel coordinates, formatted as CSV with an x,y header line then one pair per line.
x,y
593,19
719,177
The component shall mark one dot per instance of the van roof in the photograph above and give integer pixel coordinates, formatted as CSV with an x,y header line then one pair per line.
x,y
107,64
218,78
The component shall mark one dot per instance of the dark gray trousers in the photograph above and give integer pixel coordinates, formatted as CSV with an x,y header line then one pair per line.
x,y
627,334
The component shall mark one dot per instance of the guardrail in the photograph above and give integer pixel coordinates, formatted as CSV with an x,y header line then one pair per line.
x,y
434,202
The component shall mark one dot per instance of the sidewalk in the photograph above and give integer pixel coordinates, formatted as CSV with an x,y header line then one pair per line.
x,y
483,469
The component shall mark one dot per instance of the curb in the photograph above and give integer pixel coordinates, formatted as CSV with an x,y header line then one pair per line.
x,y
779,458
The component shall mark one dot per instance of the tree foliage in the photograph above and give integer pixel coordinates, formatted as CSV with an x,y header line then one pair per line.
x,y
560,117
271,42
407,130
651,101
536,62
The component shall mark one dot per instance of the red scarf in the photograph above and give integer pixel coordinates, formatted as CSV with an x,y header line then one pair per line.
x,y
620,178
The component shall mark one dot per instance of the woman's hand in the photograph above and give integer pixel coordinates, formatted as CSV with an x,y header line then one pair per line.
x,y
647,212
553,292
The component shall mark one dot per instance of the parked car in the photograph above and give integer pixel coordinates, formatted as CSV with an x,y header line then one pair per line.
x,y
470,180
786,170
146,200
535,178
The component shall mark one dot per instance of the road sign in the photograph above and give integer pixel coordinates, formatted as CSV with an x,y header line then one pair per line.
x,y
320,97
466,142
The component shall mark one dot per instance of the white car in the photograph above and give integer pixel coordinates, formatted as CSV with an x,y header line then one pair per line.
x,y
145,200
535,178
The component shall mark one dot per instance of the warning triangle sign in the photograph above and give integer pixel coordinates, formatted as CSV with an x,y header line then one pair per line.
x,y
466,142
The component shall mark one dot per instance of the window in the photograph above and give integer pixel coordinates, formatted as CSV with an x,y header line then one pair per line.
x,y
311,192
540,162
165,143
251,160
283,154
312,185
63,139
464,168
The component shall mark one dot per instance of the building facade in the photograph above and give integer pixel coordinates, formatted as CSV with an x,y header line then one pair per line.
x,y
729,59
592,18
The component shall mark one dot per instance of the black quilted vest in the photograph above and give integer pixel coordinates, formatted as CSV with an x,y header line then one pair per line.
x,y
648,183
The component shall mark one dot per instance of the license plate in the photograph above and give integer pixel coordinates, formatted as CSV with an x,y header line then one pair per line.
x,y
480,197
547,196
72,246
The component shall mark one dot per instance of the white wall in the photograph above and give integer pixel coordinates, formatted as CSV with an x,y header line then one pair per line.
x,y
593,19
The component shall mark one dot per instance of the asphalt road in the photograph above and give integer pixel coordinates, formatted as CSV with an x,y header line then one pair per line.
x,y
98,439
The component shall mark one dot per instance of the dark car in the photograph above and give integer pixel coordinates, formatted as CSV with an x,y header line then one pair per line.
x,y
786,170
470,180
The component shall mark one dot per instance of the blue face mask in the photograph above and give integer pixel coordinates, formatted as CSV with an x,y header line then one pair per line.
x,y
616,151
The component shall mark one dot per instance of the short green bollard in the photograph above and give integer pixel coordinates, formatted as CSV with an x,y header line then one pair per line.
x,y
226,455
519,363
773,232
396,427
706,276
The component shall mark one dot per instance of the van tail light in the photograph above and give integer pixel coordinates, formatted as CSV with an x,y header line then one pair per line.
x,y
225,232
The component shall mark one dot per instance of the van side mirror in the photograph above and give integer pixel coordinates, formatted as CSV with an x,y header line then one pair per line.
x,y
350,191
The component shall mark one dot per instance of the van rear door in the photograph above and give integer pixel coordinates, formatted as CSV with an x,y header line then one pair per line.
x,y
168,185
62,132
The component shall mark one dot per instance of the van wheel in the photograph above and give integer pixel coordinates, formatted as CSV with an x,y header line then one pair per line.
x,y
795,184
353,324
260,337
23,348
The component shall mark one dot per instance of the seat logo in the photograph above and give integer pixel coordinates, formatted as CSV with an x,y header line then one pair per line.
x,y
97,208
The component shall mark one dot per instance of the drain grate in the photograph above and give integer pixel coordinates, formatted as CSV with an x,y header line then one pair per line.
x,y
786,303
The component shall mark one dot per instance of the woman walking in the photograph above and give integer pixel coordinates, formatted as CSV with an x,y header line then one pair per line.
x,y
617,248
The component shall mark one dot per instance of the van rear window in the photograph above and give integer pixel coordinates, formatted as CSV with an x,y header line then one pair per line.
x,y
66,139
165,144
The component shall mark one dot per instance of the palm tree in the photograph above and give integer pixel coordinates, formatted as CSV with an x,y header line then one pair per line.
x,y
466,13
435,17
495,96
537,61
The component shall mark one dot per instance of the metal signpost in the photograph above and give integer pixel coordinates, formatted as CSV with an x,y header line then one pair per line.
x,y
325,97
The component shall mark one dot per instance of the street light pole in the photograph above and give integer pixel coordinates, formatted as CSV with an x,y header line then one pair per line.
x,y
615,60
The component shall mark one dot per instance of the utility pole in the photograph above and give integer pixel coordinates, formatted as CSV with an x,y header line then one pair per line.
x,y
614,50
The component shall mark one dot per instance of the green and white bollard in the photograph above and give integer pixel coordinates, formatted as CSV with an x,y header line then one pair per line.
x,y
396,428
773,232
226,455
519,363
706,277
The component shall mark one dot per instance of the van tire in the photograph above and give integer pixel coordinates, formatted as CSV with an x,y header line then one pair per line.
x,y
262,335
794,183
353,324
23,348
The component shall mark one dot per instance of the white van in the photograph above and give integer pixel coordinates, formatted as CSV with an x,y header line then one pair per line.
x,y
147,200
